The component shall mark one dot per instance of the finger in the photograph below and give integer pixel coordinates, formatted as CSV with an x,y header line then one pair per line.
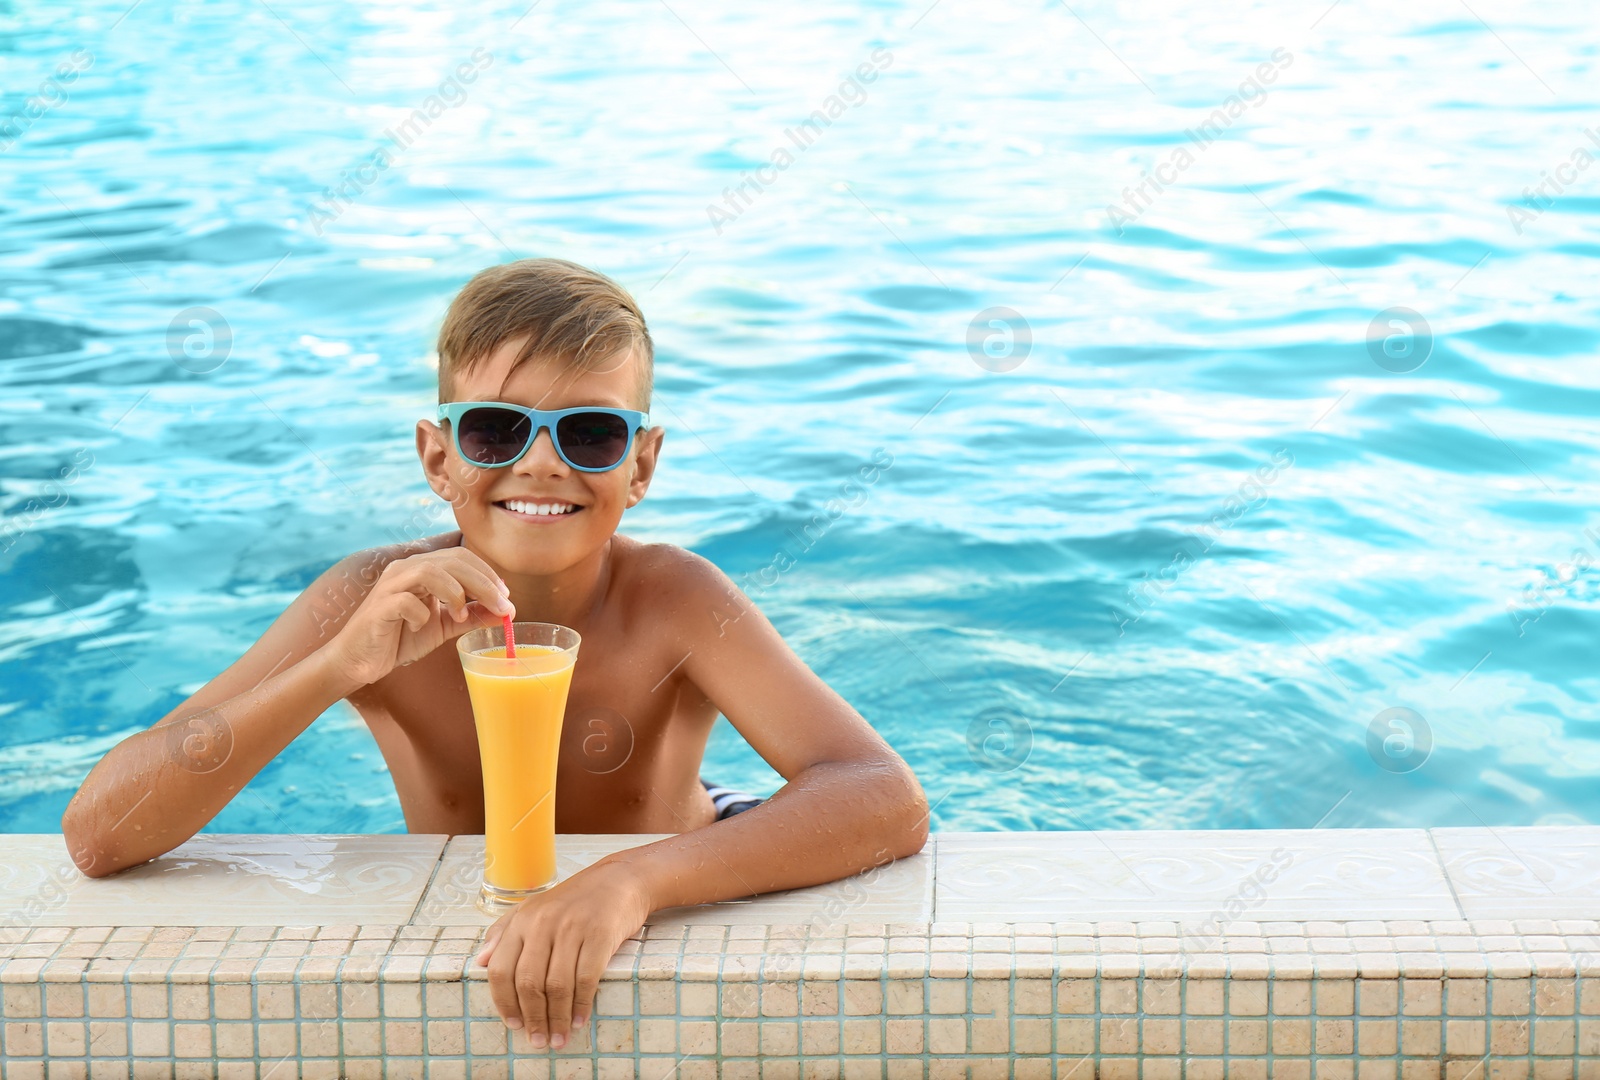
x,y
503,978
475,562
591,964
435,581
477,616
530,985
457,594
490,938
475,576
410,608
475,586
407,575
480,585
560,978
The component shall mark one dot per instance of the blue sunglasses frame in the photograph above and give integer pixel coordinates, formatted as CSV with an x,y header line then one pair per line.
x,y
541,419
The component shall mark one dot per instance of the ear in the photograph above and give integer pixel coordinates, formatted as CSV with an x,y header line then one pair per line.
x,y
434,452
646,454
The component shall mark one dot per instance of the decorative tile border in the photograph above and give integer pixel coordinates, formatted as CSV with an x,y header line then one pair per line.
x,y
225,879
900,890
820,990
1298,874
453,890
1553,872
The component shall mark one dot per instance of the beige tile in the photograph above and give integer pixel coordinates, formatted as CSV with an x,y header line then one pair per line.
x,y
901,892
451,897
1523,873
1059,876
219,879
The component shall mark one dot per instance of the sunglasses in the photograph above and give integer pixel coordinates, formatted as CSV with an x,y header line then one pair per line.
x,y
590,438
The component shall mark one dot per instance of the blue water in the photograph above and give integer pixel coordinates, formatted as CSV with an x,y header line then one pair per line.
x,y
1063,603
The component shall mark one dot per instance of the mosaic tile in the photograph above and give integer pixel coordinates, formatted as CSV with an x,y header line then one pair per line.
x,y
824,990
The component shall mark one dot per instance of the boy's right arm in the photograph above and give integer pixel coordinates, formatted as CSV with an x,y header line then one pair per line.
x,y
365,616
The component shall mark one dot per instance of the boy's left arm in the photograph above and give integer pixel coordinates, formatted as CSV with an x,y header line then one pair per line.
x,y
849,803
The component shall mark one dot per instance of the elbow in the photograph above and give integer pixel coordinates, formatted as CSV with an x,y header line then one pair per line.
x,y
916,833
96,868
84,844
907,824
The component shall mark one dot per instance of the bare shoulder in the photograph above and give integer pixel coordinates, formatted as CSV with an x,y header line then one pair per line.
x,y
666,568
686,588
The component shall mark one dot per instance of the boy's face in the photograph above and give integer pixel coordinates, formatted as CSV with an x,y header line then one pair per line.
x,y
518,543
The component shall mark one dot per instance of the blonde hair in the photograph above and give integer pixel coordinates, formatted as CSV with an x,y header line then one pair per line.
x,y
570,314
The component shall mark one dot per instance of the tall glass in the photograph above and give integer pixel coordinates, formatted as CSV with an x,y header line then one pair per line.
x,y
518,705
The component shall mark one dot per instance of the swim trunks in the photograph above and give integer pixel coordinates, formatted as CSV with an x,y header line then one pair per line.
x,y
728,801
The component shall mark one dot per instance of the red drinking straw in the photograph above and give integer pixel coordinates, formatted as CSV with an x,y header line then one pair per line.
x,y
511,638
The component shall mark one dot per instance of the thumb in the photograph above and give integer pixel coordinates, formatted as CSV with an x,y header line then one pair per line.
x,y
478,617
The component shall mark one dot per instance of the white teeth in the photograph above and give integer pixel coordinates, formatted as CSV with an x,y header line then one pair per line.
x,y
540,509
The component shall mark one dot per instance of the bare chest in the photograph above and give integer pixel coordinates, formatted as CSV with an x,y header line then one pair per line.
x,y
631,744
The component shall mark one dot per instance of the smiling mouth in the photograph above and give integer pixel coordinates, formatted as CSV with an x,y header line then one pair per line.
x,y
545,510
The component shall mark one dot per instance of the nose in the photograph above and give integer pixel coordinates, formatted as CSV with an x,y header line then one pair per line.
x,y
541,457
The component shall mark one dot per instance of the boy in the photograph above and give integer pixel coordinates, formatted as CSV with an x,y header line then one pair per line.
x,y
668,643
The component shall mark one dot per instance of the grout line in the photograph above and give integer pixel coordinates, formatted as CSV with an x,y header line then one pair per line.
x,y
438,864
1445,872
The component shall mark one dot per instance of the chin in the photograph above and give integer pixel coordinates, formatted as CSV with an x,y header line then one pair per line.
x,y
538,556
535,549
533,561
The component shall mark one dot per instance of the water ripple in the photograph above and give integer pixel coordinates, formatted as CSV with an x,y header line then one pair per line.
x,y
1087,548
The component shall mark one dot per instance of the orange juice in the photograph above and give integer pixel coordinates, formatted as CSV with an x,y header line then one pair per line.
x,y
518,705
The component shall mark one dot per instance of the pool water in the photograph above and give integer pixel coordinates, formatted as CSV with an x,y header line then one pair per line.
x,y
1229,381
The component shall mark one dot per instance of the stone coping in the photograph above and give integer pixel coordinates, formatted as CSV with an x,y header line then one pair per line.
x,y
1393,953
1200,879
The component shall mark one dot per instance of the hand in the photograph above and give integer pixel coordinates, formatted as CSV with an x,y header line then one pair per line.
x,y
416,605
545,958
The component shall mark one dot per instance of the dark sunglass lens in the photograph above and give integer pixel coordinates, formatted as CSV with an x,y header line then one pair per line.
x,y
593,440
492,436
